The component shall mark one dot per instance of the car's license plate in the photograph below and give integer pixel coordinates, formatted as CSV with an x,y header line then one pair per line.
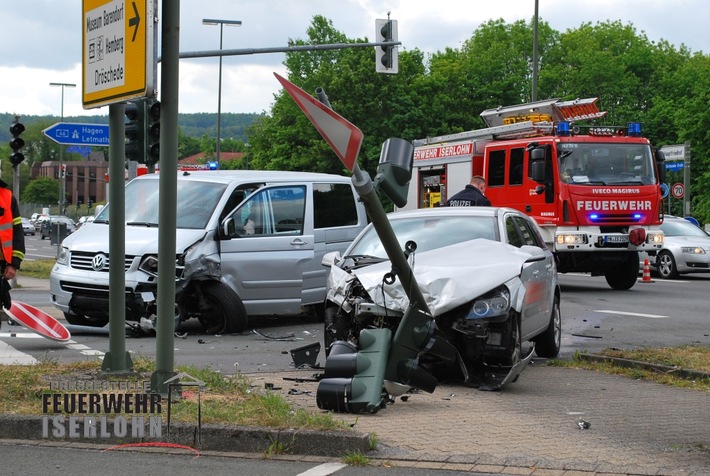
x,y
616,239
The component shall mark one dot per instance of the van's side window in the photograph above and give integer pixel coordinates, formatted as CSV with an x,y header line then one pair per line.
x,y
334,205
275,211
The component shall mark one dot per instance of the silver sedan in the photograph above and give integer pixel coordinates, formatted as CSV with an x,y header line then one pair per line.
x,y
686,249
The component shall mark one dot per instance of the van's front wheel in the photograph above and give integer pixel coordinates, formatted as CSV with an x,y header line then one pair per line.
x,y
222,311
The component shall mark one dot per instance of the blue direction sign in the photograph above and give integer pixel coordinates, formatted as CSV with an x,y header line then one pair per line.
x,y
68,133
677,165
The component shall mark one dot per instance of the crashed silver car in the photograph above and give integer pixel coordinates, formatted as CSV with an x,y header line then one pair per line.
x,y
486,275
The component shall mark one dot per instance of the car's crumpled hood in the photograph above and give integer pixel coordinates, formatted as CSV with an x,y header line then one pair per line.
x,y
140,240
448,277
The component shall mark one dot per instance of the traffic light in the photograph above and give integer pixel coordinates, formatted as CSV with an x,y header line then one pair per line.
x,y
417,335
386,60
153,131
17,143
353,378
395,170
135,131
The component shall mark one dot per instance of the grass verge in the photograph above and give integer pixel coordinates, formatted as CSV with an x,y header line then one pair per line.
x,y
226,400
37,268
684,366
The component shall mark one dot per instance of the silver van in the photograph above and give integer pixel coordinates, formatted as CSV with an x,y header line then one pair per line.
x,y
249,243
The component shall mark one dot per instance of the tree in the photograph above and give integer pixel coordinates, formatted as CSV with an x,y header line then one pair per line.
x,y
380,105
665,88
41,190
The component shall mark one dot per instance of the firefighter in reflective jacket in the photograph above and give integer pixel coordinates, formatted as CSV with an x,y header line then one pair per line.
x,y
472,195
12,239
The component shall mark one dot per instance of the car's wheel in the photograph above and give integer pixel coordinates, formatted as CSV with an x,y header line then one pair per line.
x,y
516,343
547,344
625,275
77,320
222,312
665,264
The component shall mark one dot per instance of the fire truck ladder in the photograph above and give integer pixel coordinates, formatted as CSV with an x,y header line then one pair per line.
x,y
524,120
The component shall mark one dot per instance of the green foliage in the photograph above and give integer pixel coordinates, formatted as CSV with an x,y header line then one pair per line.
x,y
664,88
41,190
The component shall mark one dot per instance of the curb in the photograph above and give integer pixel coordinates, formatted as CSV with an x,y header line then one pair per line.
x,y
637,364
220,438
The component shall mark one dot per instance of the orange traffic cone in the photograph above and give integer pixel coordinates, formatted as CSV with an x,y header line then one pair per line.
x,y
646,272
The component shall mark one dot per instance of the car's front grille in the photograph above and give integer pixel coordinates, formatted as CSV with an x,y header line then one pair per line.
x,y
85,261
86,289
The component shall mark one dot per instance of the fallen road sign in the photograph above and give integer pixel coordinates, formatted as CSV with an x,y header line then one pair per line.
x,y
38,321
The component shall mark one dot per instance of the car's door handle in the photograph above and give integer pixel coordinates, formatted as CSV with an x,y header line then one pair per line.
x,y
298,242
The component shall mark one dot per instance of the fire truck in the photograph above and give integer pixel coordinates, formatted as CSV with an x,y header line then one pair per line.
x,y
593,190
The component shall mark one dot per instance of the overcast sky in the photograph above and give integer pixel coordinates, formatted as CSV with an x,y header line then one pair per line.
x,y
40,40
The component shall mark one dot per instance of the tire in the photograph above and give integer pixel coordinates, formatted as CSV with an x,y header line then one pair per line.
x,y
77,320
547,344
516,343
222,311
625,275
665,265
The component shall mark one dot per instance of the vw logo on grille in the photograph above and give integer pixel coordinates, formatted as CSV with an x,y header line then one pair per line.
x,y
98,262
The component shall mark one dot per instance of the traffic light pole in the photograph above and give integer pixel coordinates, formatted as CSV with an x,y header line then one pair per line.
x,y
169,85
117,360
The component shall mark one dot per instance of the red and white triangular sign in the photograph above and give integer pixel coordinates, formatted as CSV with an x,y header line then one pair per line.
x,y
343,137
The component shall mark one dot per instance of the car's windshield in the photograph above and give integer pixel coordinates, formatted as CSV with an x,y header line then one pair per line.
x,y
428,233
606,164
681,228
196,201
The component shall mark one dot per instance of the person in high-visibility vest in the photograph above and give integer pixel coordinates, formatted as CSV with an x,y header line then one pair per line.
x,y
12,238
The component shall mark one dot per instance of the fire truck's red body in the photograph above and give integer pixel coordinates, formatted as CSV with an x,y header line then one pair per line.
x,y
594,191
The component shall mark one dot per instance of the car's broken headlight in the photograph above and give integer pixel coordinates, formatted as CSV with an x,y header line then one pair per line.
x,y
150,265
492,304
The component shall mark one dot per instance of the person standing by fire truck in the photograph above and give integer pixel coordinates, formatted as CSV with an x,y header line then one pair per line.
x,y
472,195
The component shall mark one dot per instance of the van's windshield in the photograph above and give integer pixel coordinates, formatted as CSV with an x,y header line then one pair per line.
x,y
196,202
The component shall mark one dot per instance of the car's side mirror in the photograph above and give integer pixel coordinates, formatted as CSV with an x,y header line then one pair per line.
x,y
536,254
229,228
330,259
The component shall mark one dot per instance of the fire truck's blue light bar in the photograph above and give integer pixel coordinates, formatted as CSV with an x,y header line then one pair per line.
x,y
634,129
593,216
563,128
637,216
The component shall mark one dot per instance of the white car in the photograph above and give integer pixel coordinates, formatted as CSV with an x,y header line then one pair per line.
x,y
485,273
27,227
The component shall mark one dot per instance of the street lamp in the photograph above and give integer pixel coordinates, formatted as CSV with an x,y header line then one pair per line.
x,y
221,23
61,164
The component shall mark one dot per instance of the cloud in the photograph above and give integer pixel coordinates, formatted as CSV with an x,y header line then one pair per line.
x,y
41,40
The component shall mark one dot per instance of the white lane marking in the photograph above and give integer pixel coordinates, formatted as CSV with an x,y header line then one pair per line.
x,y
71,344
635,314
84,349
10,356
323,469
21,335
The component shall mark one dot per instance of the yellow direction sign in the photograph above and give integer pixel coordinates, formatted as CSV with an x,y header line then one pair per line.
x,y
118,52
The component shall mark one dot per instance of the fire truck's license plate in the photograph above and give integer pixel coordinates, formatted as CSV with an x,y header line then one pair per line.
x,y
616,239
